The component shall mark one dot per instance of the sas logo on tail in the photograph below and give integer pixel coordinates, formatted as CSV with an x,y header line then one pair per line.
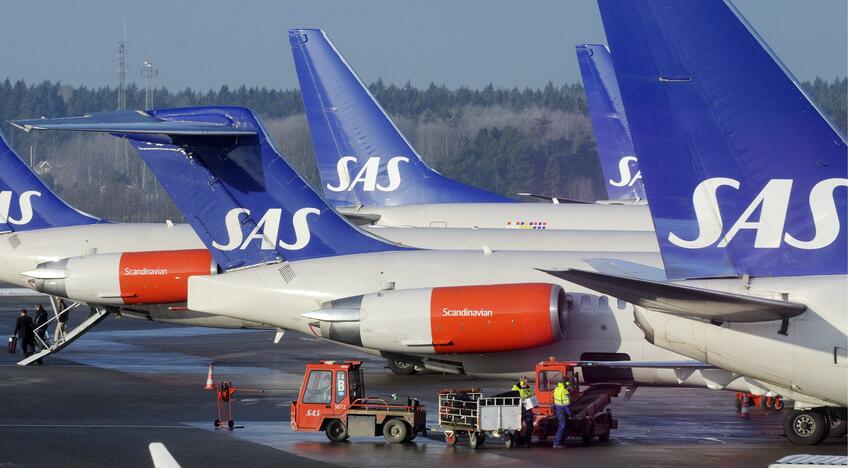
x,y
24,205
267,230
772,203
367,175
626,177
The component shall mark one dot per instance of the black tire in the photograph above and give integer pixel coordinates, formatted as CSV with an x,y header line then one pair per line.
x,y
510,440
336,431
411,435
450,439
588,433
764,403
217,423
475,440
231,424
401,367
395,431
805,427
778,404
837,419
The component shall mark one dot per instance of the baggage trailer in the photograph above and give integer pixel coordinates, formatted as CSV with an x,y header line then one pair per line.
x,y
590,416
466,413
331,400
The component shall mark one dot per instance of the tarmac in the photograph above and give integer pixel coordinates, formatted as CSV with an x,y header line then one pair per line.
x,y
130,382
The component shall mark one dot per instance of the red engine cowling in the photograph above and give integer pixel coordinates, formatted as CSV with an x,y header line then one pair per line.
x,y
459,319
480,319
124,278
161,277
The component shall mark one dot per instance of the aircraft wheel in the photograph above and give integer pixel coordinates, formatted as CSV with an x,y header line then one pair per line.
x,y
805,427
838,423
401,367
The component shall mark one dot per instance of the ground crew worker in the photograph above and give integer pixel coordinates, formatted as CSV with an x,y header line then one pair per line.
x,y
562,409
525,392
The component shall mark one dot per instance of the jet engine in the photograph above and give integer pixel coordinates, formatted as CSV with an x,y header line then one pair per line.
x,y
123,278
459,319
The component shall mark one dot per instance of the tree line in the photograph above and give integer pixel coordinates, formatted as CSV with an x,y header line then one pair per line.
x,y
503,140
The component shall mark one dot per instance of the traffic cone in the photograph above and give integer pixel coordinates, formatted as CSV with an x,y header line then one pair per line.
x,y
746,411
210,381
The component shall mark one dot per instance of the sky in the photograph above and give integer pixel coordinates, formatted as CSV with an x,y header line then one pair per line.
x,y
206,44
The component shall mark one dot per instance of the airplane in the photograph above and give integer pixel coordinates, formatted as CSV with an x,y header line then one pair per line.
x,y
290,260
55,249
368,168
750,209
37,228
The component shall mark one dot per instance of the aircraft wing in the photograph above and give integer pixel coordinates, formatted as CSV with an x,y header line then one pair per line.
x,y
684,301
132,122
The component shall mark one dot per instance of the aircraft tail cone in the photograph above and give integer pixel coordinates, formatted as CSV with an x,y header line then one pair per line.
x,y
210,381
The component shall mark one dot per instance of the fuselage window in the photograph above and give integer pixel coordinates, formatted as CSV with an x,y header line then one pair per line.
x,y
586,303
622,304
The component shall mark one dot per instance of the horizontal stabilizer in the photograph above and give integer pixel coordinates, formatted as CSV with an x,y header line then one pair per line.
x,y
134,122
361,219
684,301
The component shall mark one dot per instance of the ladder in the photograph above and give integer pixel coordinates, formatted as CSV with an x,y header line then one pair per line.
x,y
99,313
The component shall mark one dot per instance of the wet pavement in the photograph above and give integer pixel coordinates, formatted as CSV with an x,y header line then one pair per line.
x,y
127,383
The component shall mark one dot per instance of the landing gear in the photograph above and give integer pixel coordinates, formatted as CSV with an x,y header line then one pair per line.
x,y
806,427
402,367
837,419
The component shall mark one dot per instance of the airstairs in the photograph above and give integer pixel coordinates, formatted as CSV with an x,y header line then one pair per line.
x,y
97,315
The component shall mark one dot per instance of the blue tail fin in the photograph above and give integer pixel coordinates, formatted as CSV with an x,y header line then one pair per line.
x,y
248,205
612,134
26,203
363,159
743,173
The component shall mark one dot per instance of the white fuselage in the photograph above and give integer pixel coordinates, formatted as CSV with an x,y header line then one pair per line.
x,y
594,324
810,361
572,216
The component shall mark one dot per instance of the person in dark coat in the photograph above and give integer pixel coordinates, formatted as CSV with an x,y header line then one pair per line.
x,y
40,324
24,329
